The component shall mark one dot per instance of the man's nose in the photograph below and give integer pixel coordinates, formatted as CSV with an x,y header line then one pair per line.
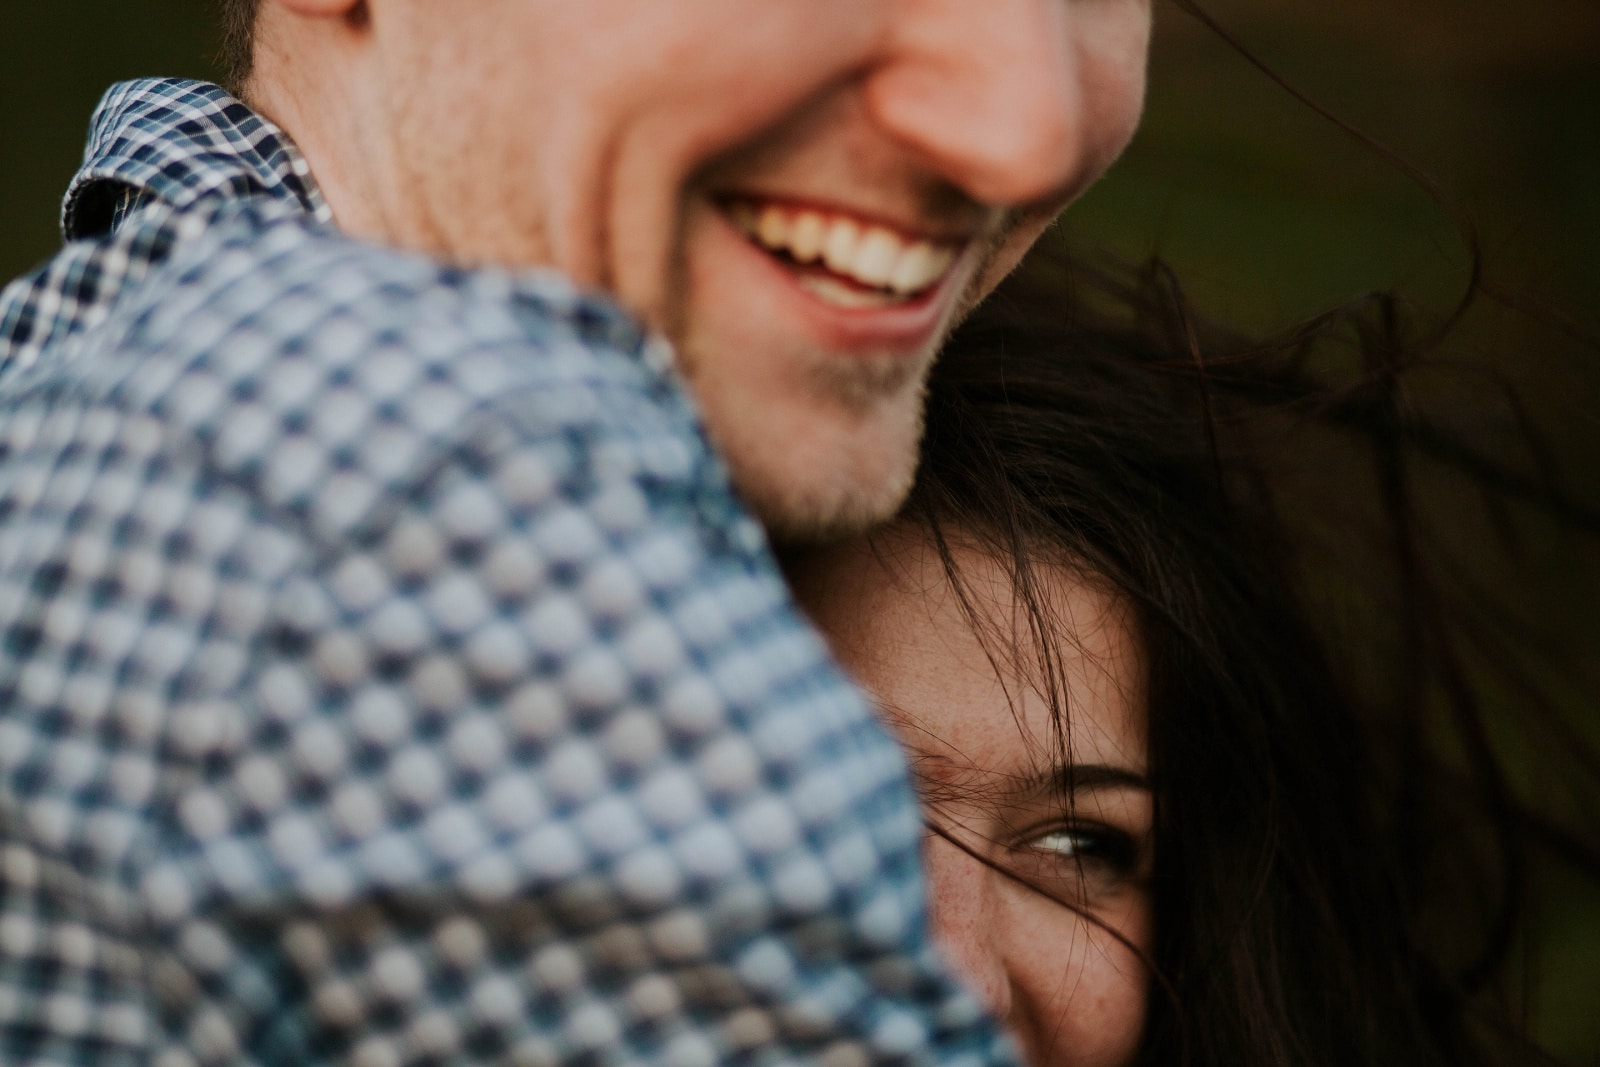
x,y
962,907
988,92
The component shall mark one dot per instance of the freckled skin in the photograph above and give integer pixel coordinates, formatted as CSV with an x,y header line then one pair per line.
x,y
597,138
1069,990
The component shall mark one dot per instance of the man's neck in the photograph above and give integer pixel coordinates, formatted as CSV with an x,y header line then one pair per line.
x,y
317,99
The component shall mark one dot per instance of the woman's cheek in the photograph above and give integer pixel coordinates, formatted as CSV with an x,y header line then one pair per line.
x,y
1080,994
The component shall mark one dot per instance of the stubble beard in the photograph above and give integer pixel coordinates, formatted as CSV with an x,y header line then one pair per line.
x,y
847,492
801,519
838,490
855,493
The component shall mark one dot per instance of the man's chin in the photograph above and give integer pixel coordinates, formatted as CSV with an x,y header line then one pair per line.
x,y
819,447
822,471
807,515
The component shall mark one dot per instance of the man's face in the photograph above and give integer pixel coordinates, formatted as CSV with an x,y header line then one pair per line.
x,y
804,195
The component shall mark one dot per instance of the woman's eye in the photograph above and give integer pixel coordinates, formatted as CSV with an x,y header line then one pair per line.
x,y
1063,842
1092,859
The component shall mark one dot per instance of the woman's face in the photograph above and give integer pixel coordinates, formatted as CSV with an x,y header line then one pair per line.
x,y
1069,812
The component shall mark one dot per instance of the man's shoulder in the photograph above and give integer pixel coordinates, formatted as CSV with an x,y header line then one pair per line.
x,y
229,285
285,353
259,290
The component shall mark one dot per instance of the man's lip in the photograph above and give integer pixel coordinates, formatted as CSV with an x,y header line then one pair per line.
x,y
843,254
906,327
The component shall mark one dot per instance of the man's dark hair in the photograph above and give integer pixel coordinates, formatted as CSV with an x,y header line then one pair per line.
x,y
238,40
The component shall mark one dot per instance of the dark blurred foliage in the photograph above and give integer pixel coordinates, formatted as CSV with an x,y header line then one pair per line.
x,y
1267,214
56,59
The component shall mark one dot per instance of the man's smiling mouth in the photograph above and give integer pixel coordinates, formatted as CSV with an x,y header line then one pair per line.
x,y
843,260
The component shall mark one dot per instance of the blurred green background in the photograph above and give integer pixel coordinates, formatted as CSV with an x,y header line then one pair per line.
x,y
1267,212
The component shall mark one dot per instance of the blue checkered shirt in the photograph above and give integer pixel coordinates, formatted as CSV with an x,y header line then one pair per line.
x,y
388,674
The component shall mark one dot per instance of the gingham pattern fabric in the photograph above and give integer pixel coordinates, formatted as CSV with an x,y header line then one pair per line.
x,y
388,674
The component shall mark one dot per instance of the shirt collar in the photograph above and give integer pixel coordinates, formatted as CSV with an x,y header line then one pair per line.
x,y
178,142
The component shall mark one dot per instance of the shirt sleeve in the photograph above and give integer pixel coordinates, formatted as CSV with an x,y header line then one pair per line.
x,y
534,764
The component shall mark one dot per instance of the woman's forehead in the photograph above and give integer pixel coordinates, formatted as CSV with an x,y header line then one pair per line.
x,y
957,669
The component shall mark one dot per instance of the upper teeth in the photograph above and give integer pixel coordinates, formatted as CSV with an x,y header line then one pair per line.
x,y
870,255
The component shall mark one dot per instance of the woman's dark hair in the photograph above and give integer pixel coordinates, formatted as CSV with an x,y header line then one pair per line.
x,y
1308,824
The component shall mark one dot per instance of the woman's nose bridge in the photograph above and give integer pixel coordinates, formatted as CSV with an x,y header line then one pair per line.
x,y
988,89
963,911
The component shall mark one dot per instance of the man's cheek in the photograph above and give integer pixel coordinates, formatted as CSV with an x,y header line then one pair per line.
x,y
1011,246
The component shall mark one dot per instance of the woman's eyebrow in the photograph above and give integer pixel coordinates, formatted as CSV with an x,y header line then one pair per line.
x,y
1067,779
